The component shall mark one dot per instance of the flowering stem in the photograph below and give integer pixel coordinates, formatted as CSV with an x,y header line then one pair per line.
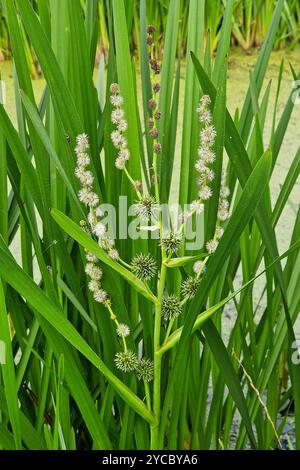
x,y
132,182
114,318
147,393
199,201
157,360
169,329
126,265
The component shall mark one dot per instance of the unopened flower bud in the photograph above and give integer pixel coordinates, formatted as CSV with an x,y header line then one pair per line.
x,y
153,133
157,115
157,148
114,88
152,104
150,123
150,29
150,40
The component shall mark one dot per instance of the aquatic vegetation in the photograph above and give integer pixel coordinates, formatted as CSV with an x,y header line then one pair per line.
x,y
112,320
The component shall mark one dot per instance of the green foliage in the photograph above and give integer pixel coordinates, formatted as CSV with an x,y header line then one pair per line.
x,y
74,377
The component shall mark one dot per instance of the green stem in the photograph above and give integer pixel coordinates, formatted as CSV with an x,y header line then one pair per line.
x,y
132,182
157,361
169,329
147,393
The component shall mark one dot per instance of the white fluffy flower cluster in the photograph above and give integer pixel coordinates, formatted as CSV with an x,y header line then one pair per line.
x,y
95,227
86,194
222,215
95,274
205,153
117,118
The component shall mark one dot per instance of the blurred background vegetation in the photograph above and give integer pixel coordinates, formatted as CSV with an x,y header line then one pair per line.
x,y
251,19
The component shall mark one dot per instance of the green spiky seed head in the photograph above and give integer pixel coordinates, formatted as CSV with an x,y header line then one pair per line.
x,y
144,266
126,361
145,370
189,287
171,243
170,307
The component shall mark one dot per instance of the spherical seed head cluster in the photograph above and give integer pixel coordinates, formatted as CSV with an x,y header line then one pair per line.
x,y
145,370
171,243
205,152
126,361
189,287
146,208
118,119
123,330
170,307
144,266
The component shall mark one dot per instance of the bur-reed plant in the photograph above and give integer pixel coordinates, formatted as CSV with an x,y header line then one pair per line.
x,y
117,342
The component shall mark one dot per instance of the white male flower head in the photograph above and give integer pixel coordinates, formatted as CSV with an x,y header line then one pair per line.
x,y
100,296
200,165
93,285
114,255
219,232
183,217
210,174
82,142
211,246
88,197
120,163
122,125
92,220
85,177
117,115
83,159
99,229
198,267
196,206
116,100
93,271
223,214
205,100
205,116
116,138
225,192
98,212
205,193
206,154
208,135
91,257
123,330
124,154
